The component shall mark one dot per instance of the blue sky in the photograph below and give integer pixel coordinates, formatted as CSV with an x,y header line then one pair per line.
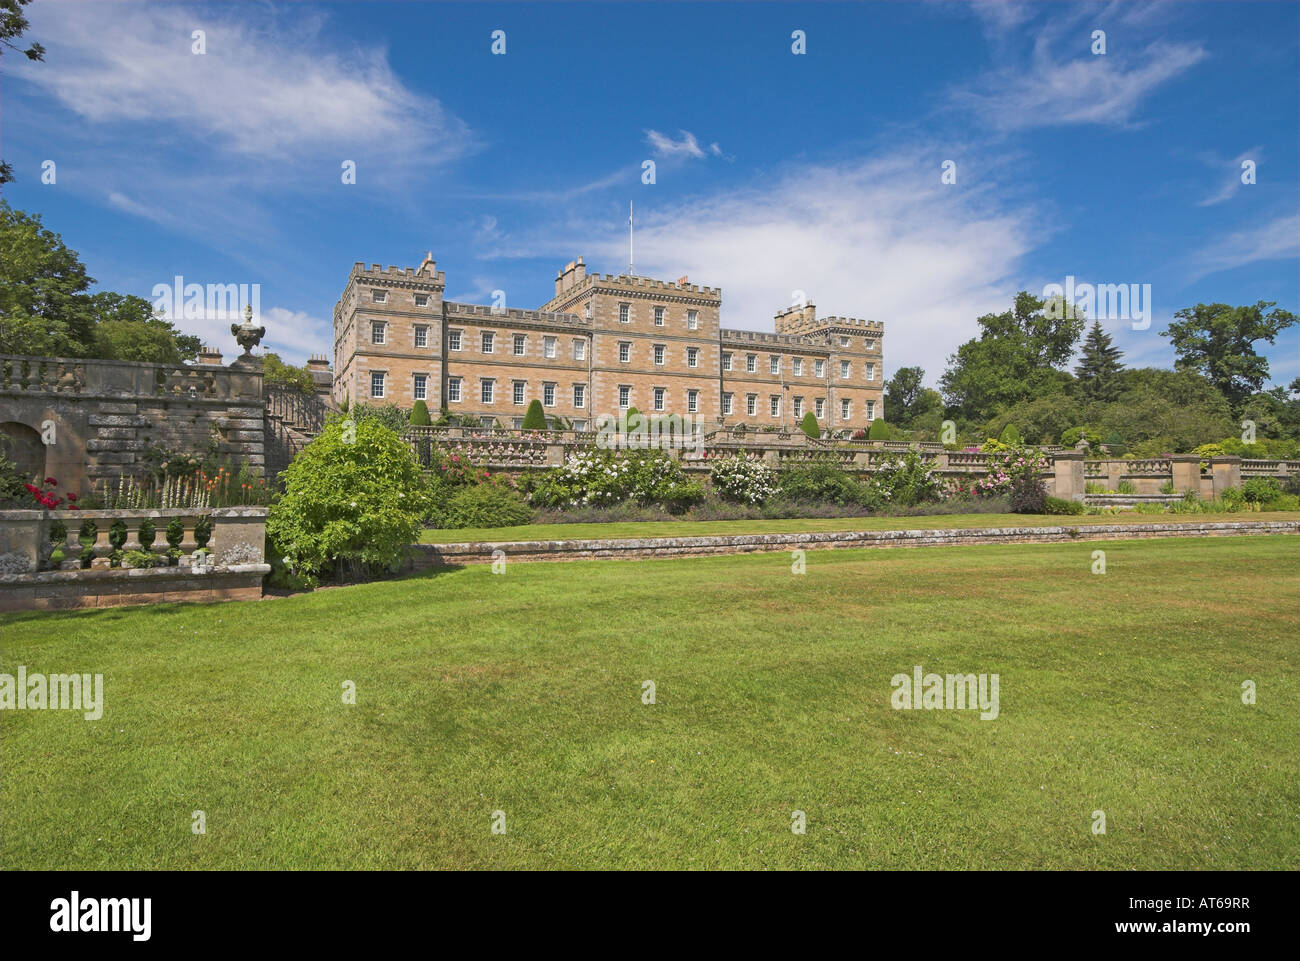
x,y
775,172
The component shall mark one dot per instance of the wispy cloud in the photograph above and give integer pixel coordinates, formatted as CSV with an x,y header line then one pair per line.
x,y
687,146
1232,179
1278,239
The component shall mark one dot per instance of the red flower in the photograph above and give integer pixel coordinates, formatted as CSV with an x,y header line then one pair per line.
x,y
32,488
73,507
52,482
72,498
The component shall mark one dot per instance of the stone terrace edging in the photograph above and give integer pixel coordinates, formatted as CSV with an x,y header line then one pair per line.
x,y
439,555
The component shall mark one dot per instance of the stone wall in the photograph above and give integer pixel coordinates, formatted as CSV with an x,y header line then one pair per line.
x,y
94,419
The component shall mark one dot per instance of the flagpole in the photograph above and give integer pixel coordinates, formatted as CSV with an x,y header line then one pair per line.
x,y
631,243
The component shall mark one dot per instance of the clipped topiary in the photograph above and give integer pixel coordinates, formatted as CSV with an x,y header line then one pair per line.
x,y
420,414
1011,436
879,430
535,419
810,426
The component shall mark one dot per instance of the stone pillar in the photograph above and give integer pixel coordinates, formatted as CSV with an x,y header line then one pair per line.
x,y
1067,467
554,455
1226,472
238,535
1186,473
22,535
1115,473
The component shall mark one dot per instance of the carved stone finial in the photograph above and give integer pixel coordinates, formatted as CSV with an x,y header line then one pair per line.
x,y
248,337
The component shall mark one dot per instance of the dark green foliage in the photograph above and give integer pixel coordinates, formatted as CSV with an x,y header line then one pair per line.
x,y
535,418
420,414
1099,366
1257,490
1218,341
810,426
395,418
1058,505
821,483
485,505
277,374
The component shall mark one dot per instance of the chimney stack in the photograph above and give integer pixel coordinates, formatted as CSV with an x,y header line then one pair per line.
x,y
209,356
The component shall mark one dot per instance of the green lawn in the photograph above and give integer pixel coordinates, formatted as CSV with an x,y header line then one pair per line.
x,y
521,692
570,532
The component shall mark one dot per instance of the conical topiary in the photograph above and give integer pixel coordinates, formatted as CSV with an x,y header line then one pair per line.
x,y
535,419
810,426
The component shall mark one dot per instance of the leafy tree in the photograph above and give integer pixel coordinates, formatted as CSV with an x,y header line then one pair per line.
x,y
12,24
810,426
535,417
126,328
420,414
902,393
45,309
1017,355
1099,366
1219,341
348,505
277,374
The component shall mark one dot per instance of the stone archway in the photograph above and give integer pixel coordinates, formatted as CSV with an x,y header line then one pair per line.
x,y
22,445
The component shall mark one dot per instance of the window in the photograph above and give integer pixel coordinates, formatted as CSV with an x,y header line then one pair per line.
x,y
659,354
726,362
579,395
844,342
453,340
486,386
521,345
844,369
421,336
869,344
751,404
692,401
518,391
751,363
798,407
379,296
659,398
488,338
797,364
377,330
659,316
579,425
624,352
871,410
624,313
819,406
377,383
453,390
726,403
421,386
774,402
692,320
548,347
586,310
692,357
624,397
774,365
516,422
871,371
548,395
579,350
819,368
846,409
422,300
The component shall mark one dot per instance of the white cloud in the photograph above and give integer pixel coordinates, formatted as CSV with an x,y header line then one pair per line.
x,y
687,146
1057,89
268,86
1278,239
1228,188
879,240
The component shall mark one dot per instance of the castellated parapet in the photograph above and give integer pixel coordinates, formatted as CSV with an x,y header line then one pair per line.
x,y
602,343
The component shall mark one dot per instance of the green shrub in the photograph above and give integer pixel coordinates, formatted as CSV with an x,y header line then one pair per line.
x,y
349,505
1168,488
1125,487
1281,502
602,478
1059,505
391,416
1257,490
810,426
420,414
1011,436
906,480
1094,487
485,505
879,430
742,480
819,484
535,418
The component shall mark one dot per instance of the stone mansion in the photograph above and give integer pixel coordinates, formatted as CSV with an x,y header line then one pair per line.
x,y
602,344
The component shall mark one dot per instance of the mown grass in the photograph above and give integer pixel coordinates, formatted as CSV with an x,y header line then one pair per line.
x,y
633,529
522,692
